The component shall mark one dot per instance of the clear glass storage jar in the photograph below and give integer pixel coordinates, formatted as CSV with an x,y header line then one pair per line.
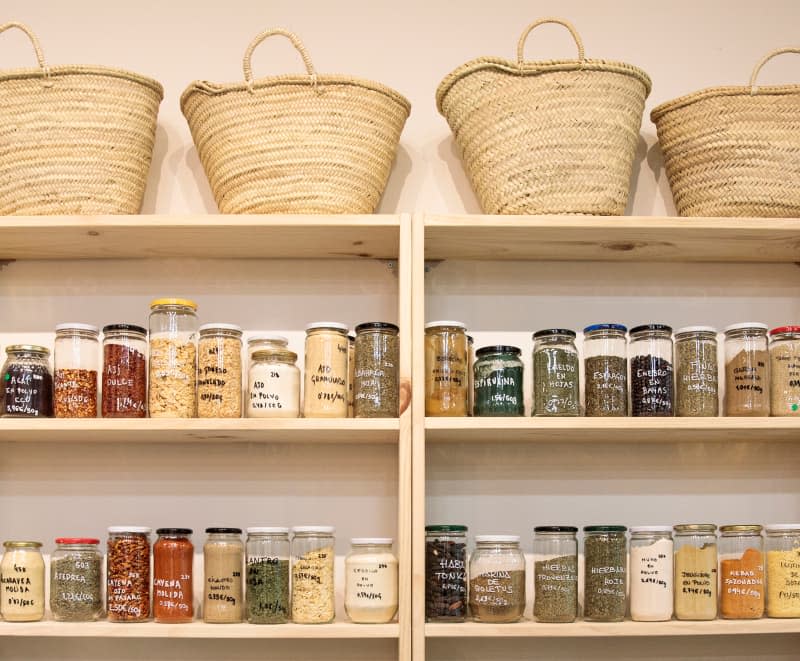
x,y
351,370
273,388
556,373
172,378
267,579
695,571
746,370
27,382
447,363
22,584
784,371
651,573
783,569
376,374
606,572
128,574
312,574
326,372
650,354
223,559
173,576
445,573
124,384
265,341
76,591
219,371
696,372
606,370
470,375
371,575
77,364
498,380
497,579
555,574
741,572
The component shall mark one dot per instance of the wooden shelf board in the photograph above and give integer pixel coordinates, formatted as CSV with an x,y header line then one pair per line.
x,y
625,238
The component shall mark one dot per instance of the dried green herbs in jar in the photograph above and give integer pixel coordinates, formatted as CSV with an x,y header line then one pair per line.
x,y
75,580
376,374
606,571
696,372
606,370
556,388
555,580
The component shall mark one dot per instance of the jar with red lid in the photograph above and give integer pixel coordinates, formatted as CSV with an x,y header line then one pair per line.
x,y
784,371
173,558
76,592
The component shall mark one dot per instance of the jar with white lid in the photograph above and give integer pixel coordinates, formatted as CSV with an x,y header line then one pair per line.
x,y
267,577
313,554
783,569
447,369
371,581
128,574
77,365
746,370
273,384
22,586
695,571
784,371
219,371
497,579
696,372
27,382
326,370
651,573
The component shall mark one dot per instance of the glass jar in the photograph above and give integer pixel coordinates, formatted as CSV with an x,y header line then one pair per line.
x,y
497,579
325,386
606,572
22,584
351,372
376,371
741,572
695,571
445,573
267,578
652,579
784,371
124,383
27,382
498,382
746,370
77,364
696,372
783,570
555,573
606,370
223,558
173,576
470,375
173,358
556,373
264,342
76,592
312,574
650,353
371,581
128,574
219,371
446,369
273,385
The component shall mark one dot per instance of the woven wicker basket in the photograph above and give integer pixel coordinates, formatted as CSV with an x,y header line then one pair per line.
x,y
734,151
74,139
546,137
295,143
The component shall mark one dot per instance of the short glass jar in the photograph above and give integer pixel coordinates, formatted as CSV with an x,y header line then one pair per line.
x,y
606,370
77,364
22,585
784,371
267,577
76,591
651,574
741,572
376,373
128,574
650,355
124,384
555,574
695,571
445,573
313,554
497,579
265,341
223,562
27,382
783,568
556,373
746,370
696,372
219,371
173,576
326,372
498,381
273,384
446,369
371,581
606,572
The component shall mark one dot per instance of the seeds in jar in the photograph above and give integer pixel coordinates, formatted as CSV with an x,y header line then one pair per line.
x,y
556,589
651,386
173,378
445,580
312,587
124,382
606,386
746,384
75,393
219,380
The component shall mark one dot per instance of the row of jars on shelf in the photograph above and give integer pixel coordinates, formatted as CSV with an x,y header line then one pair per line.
x,y
196,370
657,577
644,373
267,580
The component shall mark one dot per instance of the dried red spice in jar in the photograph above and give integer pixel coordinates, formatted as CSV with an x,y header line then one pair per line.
x,y
128,574
173,556
124,371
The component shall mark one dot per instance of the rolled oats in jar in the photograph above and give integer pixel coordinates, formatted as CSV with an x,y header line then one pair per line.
x,y
219,371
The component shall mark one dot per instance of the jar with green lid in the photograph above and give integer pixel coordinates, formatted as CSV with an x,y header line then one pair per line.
x,y
555,577
556,373
27,382
606,370
783,569
22,582
445,573
219,371
606,573
784,371
746,370
446,369
498,382
741,572
326,373
267,578
376,371
273,384
695,571
76,592
696,372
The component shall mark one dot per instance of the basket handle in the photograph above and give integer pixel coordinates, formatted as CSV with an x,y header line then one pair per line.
x,y
36,47
764,60
542,21
291,36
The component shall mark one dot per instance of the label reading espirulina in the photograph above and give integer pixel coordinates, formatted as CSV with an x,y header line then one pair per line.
x,y
499,392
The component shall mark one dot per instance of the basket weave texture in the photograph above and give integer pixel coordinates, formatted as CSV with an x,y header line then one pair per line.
x,y
734,151
555,137
295,143
74,139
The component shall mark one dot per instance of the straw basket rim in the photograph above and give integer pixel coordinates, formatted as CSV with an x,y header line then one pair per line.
x,y
729,90
31,73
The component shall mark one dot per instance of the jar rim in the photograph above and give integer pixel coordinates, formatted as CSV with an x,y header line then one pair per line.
x,y
179,302
321,530
268,337
446,527
77,326
137,530
652,529
653,328
695,329
695,527
77,540
335,325
554,331
284,354
371,541
207,329
223,531
267,530
605,327
781,527
377,325
174,531
497,539
745,325
498,348
13,544
445,322
572,529
749,527
133,328
27,348
605,528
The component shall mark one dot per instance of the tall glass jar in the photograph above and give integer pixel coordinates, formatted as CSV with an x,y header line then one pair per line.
x,y
556,373
497,579
376,371
498,382
128,574
784,371
326,373
27,382
124,384
741,572
351,371
313,557
695,571
445,573
173,358
219,371
267,578
22,585
173,576
746,370
651,571
470,375
446,369
606,370
371,581
223,558
606,572
76,591
783,570
77,364
273,389
555,573
650,353
696,372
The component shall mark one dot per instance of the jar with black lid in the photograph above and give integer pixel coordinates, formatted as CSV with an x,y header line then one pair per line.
x,y
555,579
27,382
556,373
124,383
650,350
376,375
498,382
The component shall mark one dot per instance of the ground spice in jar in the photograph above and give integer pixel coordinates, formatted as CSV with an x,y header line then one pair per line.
x,y
605,574
312,587
219,368
75,393
784,371
124,384
128,575
267,591
606,386
497,596
173,564
555,382
75,581
223,559
696,582
696,372
783,583
556,589
742,581
746,384
651,386
445,580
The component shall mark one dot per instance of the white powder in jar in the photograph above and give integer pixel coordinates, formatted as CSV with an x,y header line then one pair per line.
x,y
651,581
370,595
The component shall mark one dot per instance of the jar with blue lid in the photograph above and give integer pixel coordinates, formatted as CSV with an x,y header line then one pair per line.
x,y
606,370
